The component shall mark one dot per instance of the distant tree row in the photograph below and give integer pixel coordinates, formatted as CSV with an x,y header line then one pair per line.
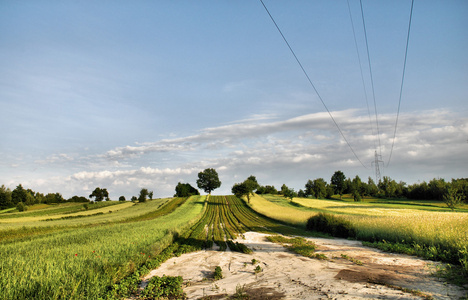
x,y
21,198
455,191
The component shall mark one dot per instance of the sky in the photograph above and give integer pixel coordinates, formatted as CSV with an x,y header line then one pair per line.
x,y
127,95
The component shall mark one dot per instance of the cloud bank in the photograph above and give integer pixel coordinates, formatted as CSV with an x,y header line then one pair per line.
x,y
428,144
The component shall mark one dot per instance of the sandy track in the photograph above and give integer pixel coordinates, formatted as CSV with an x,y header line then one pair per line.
x,y
286,275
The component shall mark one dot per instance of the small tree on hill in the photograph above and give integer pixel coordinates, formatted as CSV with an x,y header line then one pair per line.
x,y
289,193
122,198
208,180
185,190
99,194
143,194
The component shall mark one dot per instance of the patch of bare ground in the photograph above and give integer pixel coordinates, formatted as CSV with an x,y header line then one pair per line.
x,y
351,271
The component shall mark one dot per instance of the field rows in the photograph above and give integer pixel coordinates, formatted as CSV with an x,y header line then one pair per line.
x,y
82,263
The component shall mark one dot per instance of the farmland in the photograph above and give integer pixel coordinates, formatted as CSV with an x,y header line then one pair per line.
x,y
70,251
426,229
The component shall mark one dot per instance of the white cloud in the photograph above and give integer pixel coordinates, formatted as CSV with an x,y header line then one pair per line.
x,y
429,144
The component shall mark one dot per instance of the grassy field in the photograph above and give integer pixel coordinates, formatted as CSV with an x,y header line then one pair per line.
x,y
65,251
82,260
428,229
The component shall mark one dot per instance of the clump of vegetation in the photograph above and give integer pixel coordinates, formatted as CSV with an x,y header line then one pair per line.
x,y
258,269
297,245
166,287
240,293
218,273
21,206
332,225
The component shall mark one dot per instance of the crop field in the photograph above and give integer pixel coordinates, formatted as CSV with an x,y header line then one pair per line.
x,y
227,217
431,231
68,251
81,258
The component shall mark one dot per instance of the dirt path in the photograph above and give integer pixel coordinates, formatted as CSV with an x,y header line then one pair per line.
x,y
286,275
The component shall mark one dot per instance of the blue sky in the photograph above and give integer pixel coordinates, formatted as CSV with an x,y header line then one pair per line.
x,y
126,95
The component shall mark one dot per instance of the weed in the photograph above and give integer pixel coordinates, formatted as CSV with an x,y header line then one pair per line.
x,y
218,273
240,293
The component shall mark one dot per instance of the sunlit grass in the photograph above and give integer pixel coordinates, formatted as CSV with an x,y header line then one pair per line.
x,y
81,263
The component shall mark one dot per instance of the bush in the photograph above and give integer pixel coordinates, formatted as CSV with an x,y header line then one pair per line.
x,y
166,287
21,206
332,225
218,274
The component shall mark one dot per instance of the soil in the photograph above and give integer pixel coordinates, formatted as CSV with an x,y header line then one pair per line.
x,y
351,271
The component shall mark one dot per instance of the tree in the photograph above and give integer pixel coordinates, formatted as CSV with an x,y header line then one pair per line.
x,y
185,190
18,195
5,197
21,206
452,197
267,189
99,194
372,188
245,188
309,188
208,180
240,190
143,194
316,188
150,195
122,198
338,181
357,189
289,193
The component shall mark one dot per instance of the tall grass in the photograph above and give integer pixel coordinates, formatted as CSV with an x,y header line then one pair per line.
x,y
437,234
84,263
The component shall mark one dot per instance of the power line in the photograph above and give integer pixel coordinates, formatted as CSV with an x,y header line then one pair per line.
x,y
371,78
402,81
310,81
360,68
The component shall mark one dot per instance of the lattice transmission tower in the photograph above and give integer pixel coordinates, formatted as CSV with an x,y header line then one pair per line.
x,y
376,163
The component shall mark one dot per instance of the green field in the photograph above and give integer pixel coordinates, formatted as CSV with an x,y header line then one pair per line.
x,y
81,258
427,229
67,251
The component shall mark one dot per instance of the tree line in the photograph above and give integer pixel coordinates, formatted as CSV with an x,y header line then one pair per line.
x,y
453,192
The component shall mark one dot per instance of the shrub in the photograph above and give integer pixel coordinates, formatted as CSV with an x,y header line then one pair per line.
x,y
332,225
166,287
218,274
21,206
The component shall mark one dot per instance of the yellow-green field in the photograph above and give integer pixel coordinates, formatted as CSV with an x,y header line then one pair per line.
x,y
80,258
426,227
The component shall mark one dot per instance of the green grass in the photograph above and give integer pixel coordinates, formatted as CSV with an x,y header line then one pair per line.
x,y
82,263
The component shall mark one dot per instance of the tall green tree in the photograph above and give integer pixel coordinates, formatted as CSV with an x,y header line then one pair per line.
x,y
208,180
99,194
5,197
143,194
319,188
338,181
357,189
19,194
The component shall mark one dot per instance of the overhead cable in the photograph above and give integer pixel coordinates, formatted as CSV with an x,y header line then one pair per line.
x,y
402,81
311,83
371,78
362,74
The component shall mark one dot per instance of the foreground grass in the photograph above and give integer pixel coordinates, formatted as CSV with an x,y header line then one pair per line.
x,y
84,263
432,231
